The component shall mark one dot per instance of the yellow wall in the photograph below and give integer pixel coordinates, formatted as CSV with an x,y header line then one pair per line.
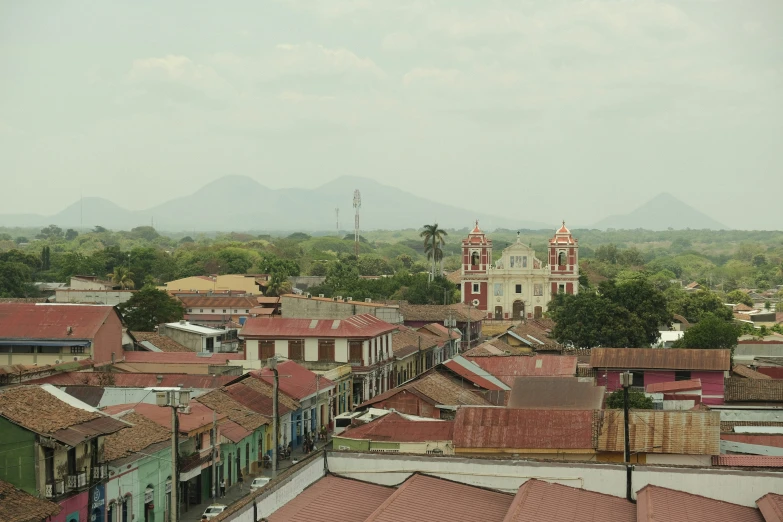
x,y
224,282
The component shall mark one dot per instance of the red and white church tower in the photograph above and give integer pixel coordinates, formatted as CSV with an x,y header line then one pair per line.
x,y
476,263
564,262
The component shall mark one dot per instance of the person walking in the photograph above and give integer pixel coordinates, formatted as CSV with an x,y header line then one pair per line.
x,y
241,481
222,487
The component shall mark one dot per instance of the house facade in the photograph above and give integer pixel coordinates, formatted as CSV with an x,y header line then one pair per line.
x,y
307,306
199,338
363,341
519,285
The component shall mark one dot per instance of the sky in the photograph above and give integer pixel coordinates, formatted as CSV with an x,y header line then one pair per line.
x,y
539,110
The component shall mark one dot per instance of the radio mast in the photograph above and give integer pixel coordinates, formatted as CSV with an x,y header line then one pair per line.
x,y
357,204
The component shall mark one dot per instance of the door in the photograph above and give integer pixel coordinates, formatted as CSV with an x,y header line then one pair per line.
x,y
538,312
498,312
519,310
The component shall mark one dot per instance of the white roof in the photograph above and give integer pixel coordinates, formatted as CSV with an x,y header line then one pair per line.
x,y
774,430
669,336
201,330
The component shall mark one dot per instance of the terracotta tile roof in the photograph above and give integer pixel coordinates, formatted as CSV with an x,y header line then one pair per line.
x,y
545,501
508,368
484,350
741,307
362,326
454,277
656,431
396,428
771,507
439,330
439,313
137,380
744,371
436,389
51,321
325,501
406,341
180,357
161,342
19,506
654,503
415,499
38,410
199,417
660,358
524,429
557,393
142,433
535,335
747,461
674,386
753,390
217,301
295,380
222,402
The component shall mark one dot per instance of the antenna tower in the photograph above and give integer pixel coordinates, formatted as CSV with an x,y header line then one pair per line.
x,y
337,220
357,204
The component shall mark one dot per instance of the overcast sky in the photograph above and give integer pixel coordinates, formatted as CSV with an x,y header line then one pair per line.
x,y
540,110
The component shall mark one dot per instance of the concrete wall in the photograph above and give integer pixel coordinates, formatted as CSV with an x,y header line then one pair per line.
x,y
108,340
316,308
194,341
107,297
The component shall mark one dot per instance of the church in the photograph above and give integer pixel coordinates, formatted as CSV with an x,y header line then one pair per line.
x,y
518,285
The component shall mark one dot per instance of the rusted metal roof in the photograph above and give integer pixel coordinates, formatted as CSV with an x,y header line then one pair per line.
x,y
233,431
771,507
325,501
423,497
295,380
558,393
661,359
199,417
656,431
524,429
362,326
217,301
654,503
508,368
257,395
753,390
19,506
75,435
395,428
475,374
545,501
748,461
91,395
674,386
51,321
775,441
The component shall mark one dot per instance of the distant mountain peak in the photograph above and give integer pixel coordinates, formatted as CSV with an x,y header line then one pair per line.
x,y
662,212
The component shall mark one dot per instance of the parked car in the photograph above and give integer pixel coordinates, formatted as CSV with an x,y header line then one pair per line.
x,y
214,510
259,482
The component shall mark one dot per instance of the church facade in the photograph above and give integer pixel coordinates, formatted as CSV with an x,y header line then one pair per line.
x,y
518,285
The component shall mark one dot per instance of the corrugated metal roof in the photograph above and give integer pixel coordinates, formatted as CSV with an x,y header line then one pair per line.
x,y
524,429
91,395
775,441
51,321
771,507
655,431
475,374
295,380
180,357
559,393
748,461
233,431
325,501
738,389
251,394
355,327
544,501
674,386
78,433
422,497
508,368
395,428
654,503
661,359
217,301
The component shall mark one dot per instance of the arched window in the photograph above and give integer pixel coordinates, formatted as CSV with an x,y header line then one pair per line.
x,y
474,258
126,509
561,258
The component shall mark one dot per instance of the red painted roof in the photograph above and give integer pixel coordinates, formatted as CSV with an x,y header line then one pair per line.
x,y
294,380
233,431
137,380
545,501
362,326
661,359
393,427
180,357
654,503
771,506
674,386
508,368
253,400
422,497
748,461
325,501
523,429
51,321
199,416
471,376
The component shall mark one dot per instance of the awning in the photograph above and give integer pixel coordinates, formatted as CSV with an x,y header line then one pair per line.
x,y
32,342
187,475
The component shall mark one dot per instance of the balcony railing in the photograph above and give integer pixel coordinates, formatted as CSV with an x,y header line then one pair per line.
x,y
54,489
100,472
79,480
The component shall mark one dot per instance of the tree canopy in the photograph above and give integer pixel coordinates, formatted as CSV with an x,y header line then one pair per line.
x,y
150,307
637,400
710,332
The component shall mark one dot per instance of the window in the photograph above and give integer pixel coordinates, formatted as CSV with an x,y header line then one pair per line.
x,y
210,344
561,289
518,289
190,310
476,288
266,350
524,261
77,349
355,352
198,440
247,311
638,380
682,375
538,289
213,310
498,289
200,309
72,461
326,349
296,349
49,464
224,310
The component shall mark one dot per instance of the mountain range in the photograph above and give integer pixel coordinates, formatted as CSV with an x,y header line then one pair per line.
x,y
240,203
662,212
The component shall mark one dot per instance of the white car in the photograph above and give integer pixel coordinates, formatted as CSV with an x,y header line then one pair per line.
x,y
259,482
214,510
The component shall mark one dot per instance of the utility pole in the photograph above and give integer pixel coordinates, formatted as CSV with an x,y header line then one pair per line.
x,y
626,380
272,365
214,456
174,399
317,406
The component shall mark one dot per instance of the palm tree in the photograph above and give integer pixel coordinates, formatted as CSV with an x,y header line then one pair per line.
x,y
278,285
434,238
121,277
